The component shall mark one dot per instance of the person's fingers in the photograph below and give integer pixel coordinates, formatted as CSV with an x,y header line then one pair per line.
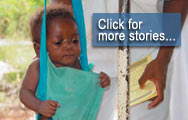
x,y
107,83
159,97
46,115
107,78
54,103
102,84
102,75
102,80
51,112
58,105
49,115
143,79
52,108
151,99
155,102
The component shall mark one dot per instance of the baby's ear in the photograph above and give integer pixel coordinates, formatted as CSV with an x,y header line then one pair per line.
x,y
37,48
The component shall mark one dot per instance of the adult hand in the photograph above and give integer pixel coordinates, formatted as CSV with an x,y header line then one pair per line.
x,y
156,72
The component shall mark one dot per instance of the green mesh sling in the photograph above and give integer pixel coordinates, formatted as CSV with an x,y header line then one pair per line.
x,y
77,91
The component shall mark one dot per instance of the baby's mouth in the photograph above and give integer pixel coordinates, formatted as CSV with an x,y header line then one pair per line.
x,y
68,56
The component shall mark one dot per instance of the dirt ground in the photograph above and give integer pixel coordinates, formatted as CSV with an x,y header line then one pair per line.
x,y
10,106
13,109
15,113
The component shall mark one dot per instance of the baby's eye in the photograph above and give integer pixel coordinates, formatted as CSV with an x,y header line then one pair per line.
x,y
75,41
58,43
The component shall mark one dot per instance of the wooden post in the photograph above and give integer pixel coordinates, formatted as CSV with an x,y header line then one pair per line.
x,y
123,84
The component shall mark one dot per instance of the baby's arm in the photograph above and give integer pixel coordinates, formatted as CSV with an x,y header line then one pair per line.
x,y
29,85
28,89
104,80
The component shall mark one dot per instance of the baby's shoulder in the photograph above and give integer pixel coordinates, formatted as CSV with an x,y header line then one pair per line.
x,y
34,66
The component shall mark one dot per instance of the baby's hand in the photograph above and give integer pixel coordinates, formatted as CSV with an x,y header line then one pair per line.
x,y
48,108
104,80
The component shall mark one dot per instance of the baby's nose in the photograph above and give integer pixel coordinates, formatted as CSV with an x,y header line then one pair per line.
x,y
68,44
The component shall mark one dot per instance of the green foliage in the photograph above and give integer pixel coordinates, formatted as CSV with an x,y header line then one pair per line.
x,y
2,96
18,56
15,76
11,76
15,15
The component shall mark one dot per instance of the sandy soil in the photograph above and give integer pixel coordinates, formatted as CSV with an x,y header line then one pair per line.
x,y
15,113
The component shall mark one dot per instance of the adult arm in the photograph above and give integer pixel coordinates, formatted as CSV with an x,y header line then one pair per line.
x,y
157,69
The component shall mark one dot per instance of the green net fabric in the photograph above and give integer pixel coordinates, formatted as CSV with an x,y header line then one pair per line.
x,y
78,92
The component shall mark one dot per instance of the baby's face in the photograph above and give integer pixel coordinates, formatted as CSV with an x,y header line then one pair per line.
x,y
63,43
67,2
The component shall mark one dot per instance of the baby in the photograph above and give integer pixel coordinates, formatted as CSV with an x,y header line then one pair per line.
x,y
63,47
